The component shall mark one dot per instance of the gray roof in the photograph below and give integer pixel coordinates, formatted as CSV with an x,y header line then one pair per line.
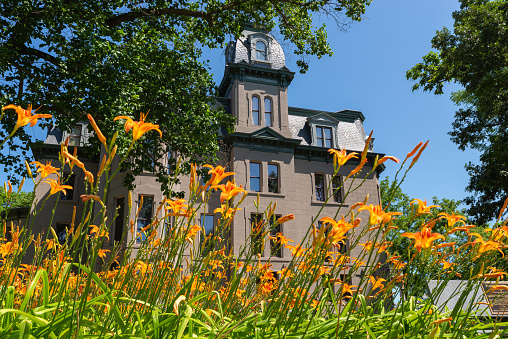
x,y
242,50
350,135
449,295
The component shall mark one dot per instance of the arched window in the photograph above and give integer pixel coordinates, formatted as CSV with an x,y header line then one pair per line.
x,y
255,110
261,51
268,112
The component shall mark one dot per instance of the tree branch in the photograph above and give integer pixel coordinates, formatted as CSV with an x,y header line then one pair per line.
x,y
131,16
40,54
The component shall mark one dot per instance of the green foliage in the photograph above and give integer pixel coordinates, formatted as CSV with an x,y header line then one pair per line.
x,y
111,58
21,199
475,55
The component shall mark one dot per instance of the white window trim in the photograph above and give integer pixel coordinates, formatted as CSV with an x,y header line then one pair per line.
x,y
254,38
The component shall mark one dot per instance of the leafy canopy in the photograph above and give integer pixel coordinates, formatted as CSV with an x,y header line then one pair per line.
x,y
475,55
111,58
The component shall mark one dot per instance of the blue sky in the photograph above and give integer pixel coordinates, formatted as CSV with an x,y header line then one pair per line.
x,y
367,73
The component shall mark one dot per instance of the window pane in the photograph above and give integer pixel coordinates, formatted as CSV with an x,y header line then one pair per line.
x,y
268,119
260,50
337,193
320,187
268,105
207,223
68,179
255,103
144,217
273,178
319,132
275,245
61,232
120,205
328,133
257,230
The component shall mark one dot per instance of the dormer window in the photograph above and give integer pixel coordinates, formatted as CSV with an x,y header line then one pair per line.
x,y
260,48
323,130
75,136
261,51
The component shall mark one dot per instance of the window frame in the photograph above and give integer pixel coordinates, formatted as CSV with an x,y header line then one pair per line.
x,y
257,112
321,142
139,239
119,220
258,238
273,233
277,179
323,188
268,112
340,191
79,136
68,178
259,178
66,227
263,52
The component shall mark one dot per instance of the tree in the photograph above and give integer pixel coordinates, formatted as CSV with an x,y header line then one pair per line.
x,y
111,58
21,199
475,55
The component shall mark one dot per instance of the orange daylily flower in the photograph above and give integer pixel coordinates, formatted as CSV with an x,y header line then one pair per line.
x,y
337,231
452,219
45,169
74,160
422,206
138,127
284,219
227,212
424,238
229,191
25,116
179,207
86,197
485,246
102,253
218,174
101,136
447,244
499,233
296,251
388,157
377,215
57,187
461,228
497,288
442,320
340,157
280,238
410,154
376,283
192,232
95,229
358,168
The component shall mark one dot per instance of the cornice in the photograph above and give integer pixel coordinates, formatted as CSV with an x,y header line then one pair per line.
x,y
343,115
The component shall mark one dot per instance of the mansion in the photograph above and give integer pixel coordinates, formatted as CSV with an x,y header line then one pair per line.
x,y
278,152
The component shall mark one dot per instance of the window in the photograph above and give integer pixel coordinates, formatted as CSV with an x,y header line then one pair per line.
x,y
273,178
207,224
324,136
319,182
257,230
337,189
144,216
255,110
268,112
119,220
68,179
61,232
275,245
261,51
255,177
75,136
